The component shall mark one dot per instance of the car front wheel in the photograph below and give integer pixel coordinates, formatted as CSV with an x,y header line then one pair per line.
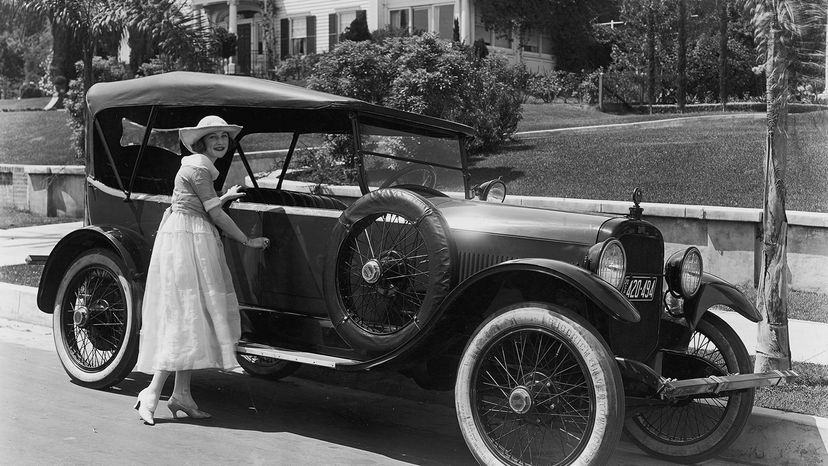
x,y
96,320
538,385
695,428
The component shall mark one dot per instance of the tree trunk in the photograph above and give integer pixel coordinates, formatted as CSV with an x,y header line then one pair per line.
x,y
651,65
723,53
681,65
773,346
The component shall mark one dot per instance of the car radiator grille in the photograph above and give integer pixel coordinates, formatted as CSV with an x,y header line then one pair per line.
x,y
645,257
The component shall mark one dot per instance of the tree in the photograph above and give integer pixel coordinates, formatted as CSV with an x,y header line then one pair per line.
x,y
568,23
681,59
89,20
778,26
723,20
176,33
357,31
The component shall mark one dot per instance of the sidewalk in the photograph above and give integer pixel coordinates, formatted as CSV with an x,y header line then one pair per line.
x,y
17,243
770,437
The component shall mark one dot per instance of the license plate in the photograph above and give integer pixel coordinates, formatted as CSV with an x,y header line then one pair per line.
x,y
638,288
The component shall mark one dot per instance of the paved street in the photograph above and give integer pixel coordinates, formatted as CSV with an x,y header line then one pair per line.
x,y
48,420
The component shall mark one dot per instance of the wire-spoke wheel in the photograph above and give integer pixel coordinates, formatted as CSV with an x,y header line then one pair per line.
x,y
383,273
695,428
391,268
95,320
265,367
537,385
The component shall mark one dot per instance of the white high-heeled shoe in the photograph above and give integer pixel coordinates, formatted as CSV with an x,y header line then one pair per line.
x,y
144,411
192,411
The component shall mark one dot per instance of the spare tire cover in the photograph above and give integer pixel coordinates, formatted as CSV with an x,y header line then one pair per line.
x,y
387,269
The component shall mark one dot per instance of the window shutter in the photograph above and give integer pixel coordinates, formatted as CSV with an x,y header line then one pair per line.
x,y
284,38
311,32
333,34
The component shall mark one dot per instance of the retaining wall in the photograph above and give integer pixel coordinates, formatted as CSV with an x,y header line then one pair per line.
x,y
49,190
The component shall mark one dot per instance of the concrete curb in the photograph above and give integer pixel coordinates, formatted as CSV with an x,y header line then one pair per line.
x,y
770,437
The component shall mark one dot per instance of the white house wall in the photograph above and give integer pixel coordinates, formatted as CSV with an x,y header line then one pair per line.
x,y
377,16
321,9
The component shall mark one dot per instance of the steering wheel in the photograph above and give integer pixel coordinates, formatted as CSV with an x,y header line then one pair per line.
x,y
429,179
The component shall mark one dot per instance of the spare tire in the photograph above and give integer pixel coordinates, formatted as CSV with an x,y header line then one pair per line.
x,y
387,270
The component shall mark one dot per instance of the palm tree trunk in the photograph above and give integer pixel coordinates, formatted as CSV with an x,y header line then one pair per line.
x,y
651,65
773,347
723,53
681,65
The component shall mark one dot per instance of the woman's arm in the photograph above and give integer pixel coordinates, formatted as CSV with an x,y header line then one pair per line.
x,y
231,194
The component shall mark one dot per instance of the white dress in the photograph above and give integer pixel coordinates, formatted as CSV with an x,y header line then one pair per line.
x,y
190,316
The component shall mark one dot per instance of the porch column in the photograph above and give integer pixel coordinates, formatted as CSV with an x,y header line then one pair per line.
x,y
466,21
233,24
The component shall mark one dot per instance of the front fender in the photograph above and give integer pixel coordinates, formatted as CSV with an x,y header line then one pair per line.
x,y
715,291
129,246
605,296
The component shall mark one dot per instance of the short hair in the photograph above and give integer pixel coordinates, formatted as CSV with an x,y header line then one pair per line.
x,y
199,146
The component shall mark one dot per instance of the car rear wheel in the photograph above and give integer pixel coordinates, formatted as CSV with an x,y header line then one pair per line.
x,y
694,429
388,269
538,385
96,320
265,367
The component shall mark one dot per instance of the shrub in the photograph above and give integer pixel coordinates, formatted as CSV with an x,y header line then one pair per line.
x,y
297,67
354,69
545,86
29,90
427,75
103,70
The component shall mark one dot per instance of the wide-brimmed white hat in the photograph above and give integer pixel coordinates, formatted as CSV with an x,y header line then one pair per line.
x,y
207,125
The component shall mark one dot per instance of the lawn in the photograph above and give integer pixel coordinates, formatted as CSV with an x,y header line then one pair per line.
x,y
36,138
701,162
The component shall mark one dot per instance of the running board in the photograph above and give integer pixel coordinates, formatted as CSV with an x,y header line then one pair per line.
x,y
671,388
293,355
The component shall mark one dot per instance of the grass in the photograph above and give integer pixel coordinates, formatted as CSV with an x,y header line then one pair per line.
x,y
14,105
702,162
807,394
13,218
36,138
21,274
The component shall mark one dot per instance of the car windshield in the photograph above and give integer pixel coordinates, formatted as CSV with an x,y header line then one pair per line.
x,y
401,156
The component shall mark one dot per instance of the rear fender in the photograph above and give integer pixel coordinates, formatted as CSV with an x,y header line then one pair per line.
x,y
715,291
130,247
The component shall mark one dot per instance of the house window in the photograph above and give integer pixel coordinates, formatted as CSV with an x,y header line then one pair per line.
x,y
445,21
490,37
399,19
419,20
430,18
535,42
298,36
338,23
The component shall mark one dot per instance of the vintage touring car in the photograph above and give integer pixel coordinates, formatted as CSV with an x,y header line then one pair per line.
x,y
556,330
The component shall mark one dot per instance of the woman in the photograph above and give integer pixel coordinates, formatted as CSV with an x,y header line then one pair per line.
x,y
190,316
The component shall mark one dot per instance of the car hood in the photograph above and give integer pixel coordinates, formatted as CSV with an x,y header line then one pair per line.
x,y
519,221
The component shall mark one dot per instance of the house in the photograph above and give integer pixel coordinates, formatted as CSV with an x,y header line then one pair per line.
x,y
313,26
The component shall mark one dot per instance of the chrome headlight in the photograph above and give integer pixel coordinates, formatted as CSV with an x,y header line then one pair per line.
x,y
609,261
683,272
